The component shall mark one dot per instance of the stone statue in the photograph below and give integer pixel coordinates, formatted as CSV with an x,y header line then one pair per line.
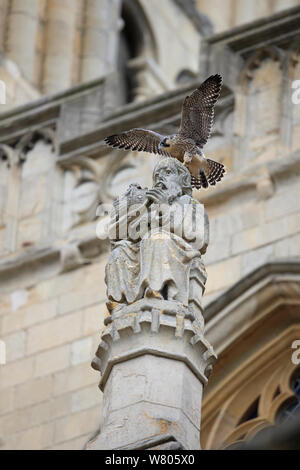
x,y
157,239
153,356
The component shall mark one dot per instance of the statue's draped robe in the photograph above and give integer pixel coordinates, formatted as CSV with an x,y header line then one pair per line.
x,y
160,258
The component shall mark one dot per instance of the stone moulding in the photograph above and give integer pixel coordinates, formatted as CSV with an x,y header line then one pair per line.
x,y
199,20
261,312
183,339
42,260
228,52
163,306
270,271
43,111
167,442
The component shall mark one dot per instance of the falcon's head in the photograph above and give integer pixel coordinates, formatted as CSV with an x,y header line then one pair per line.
x,y
165,143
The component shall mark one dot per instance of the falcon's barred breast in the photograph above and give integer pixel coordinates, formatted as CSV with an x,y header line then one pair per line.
x,y
194,131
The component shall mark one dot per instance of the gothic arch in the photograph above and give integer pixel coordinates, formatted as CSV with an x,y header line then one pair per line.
x,y
185,76
252,327
259,106
138,30
292,108
293,58
256,59
137,49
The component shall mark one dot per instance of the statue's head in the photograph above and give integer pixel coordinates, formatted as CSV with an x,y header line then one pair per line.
x,y
170,171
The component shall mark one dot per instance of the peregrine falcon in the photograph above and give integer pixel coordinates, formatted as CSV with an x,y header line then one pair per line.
x,y
194,131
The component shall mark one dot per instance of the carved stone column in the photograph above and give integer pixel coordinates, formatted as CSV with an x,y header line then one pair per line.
x,y
60,33
153,357
21,36
100,38
3,23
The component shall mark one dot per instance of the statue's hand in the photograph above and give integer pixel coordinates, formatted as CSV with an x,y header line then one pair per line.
x,y
158,196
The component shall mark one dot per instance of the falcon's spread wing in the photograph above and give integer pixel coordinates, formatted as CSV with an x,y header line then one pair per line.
x,y
198,111
141,140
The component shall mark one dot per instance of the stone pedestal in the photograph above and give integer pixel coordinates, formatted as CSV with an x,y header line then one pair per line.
x,y
154,362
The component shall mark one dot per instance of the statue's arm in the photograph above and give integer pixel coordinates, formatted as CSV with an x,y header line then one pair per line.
x,y
126,219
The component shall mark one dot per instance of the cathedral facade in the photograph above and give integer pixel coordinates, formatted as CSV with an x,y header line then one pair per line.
x,y
75,72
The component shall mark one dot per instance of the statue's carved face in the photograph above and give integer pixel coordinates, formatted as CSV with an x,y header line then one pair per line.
x,y
165,176
170,175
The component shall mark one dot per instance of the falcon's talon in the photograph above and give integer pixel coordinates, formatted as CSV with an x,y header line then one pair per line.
x,y
186,146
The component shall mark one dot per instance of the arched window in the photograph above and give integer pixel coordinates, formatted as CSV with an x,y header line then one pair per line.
x,y
291,408
136,42
185,76
129,48
250,413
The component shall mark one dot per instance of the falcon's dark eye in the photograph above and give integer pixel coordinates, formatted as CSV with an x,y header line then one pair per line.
x,y
166,143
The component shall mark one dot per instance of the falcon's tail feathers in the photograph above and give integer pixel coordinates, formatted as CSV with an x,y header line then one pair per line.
x,y
216,173
200,182
203,179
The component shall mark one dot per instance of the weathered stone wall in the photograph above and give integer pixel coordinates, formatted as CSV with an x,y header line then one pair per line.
x,y
59,44
49,321
249,230
167,21
49,395
18,90
52,265
257,220
226,14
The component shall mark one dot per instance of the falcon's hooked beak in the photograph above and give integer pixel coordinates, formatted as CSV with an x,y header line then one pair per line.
x,y
164,143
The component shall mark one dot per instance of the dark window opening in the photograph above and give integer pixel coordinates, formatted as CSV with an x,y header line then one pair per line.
x,y
185,76
126,79
276,393
136,41
250,413
131,45
291,408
